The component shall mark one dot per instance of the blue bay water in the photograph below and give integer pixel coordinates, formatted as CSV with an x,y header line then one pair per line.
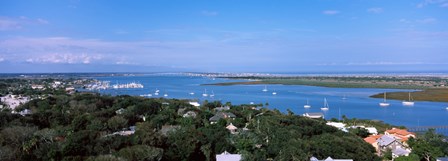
x,y
293,97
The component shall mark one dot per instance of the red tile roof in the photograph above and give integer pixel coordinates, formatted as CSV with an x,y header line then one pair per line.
x,y
372,138
401,132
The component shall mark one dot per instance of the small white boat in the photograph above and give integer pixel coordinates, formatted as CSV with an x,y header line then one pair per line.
x,y
446,108
251,103
265,89
307,105
384,103
191,93
205,93
156,93
212,95
274,93
157,90
409,102
165,95
344,98
326,107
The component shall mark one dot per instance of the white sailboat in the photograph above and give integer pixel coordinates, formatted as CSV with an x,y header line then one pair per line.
x,y
326,107
307,105
274,93
344,97
409,102
384,103
157,92
205,93
265,89
213,94
191,93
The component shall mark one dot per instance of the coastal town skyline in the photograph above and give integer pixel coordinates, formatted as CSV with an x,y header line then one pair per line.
x,y
223,36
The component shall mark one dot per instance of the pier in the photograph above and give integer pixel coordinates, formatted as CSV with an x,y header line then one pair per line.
x,y
440,129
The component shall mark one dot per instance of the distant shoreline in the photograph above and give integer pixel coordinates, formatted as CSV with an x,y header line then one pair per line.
x,y
430,88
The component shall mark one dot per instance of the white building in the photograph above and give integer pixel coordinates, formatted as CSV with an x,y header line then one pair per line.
x,y
226,156
314,115
339,125
372,130
195,104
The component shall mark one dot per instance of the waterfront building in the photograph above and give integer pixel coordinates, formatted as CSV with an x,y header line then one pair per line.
x,y
314,115
400,134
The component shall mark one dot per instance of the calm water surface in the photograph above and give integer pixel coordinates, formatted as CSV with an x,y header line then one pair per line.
x,y
356,105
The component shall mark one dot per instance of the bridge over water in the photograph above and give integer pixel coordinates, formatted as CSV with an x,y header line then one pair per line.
x,y
441,129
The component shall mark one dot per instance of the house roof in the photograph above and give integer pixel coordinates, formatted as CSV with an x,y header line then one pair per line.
x,y
167,128
329,159
442,159
226,156
385,140
222,115
372,130
215,118
402,132
222,108
231,127
314,115
372,138
400,151
189,114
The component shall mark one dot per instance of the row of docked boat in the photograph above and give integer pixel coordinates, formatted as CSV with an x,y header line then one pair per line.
x,y
103,85
127,85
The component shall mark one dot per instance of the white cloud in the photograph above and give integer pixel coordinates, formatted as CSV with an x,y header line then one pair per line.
x,y
64,58
209,13
375,10
330,12
16,23
121,32
7,24
441,3
42,21
427,21
379,63
404,20
419,21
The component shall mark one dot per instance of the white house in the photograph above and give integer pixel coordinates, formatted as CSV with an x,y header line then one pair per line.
x,y
314,115
226,156
195,104
339,125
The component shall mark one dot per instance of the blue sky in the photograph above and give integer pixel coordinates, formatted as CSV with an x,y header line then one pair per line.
x,y
223,36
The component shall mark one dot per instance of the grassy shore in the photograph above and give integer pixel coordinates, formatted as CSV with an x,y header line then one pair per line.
x,y
431,89
434,95
334,83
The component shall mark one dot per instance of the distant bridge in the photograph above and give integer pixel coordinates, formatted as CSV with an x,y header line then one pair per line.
x,y
443,129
